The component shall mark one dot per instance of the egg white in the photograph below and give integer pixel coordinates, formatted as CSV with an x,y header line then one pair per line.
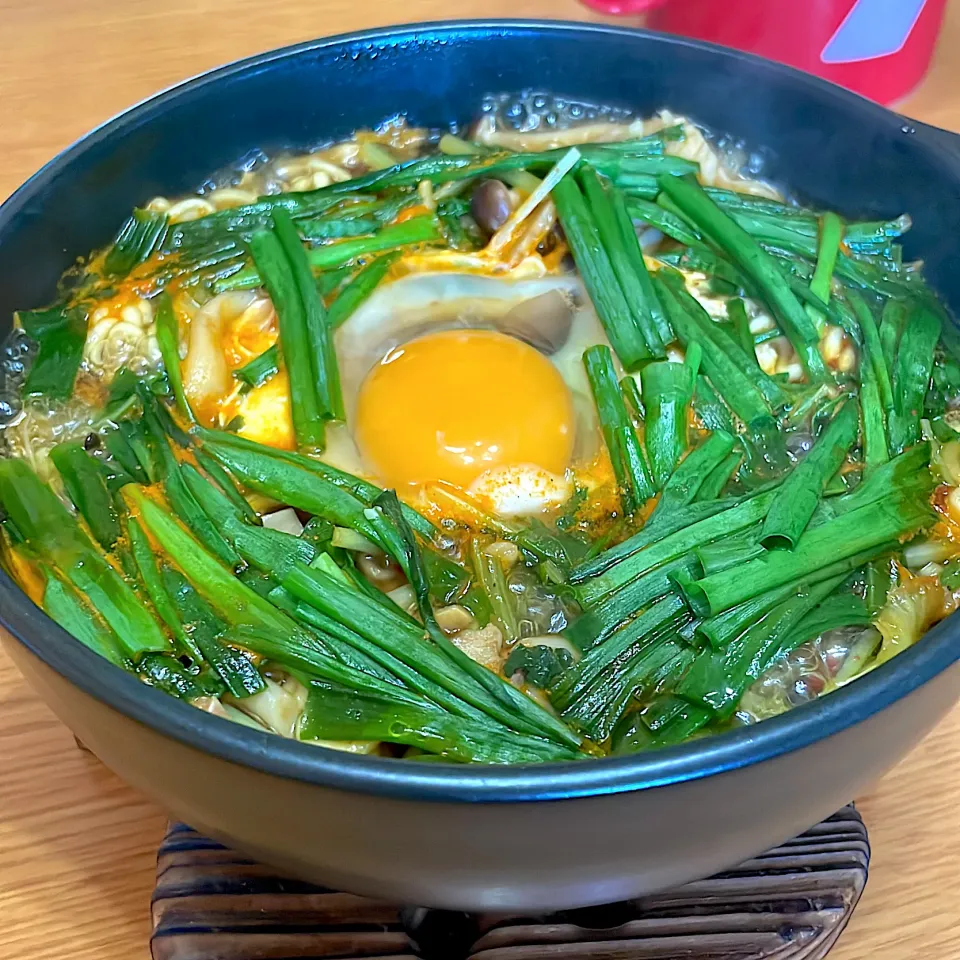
x,y
419,304
520,490
423,303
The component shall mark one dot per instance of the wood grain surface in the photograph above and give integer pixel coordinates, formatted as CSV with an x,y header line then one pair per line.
x,y
77,846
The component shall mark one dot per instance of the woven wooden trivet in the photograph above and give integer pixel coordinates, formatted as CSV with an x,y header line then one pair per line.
x,y
790,904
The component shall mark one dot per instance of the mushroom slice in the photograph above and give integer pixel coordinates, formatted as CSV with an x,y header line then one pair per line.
x,y
543,321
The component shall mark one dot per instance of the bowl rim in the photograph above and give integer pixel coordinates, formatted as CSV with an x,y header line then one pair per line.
x,y
289,759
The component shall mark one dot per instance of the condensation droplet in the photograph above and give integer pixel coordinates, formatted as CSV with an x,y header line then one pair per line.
x,y
532,110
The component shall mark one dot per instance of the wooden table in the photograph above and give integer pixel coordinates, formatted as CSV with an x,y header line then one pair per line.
x,y
77,845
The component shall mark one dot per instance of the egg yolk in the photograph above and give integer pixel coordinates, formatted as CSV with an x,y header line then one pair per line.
x,y
450,405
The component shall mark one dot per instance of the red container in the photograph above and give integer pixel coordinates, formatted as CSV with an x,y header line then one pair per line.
x,y
878,48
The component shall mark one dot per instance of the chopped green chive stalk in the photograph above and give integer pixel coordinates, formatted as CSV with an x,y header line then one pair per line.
x,y
744,357
762,269
290,483
326,376
874,428
729,551
122,457
710,410
605,654
667,390
182,501
121,397
737,313
47,526
233,601
665,526
416,230
260,369
831,236
63,603
633,166
892,322
631,395
872,348
335,712
60,333
168,339
718,678
871,526
719,477
206,633
149,575
619,565
337,229
270,550
653,665
629,465
623,250
526,715
720,631
650,301
904,472
704,260
911,376
356,651
332,281
690,320
282,285
801,492
138,238
166,673
658,713
361,489
493,582
663,220
224,481
745,360
307,654
686,483
359,289
603,617
85,485
331,256
599,276
404,639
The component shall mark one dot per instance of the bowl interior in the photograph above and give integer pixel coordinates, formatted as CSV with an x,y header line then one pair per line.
x,y
832,149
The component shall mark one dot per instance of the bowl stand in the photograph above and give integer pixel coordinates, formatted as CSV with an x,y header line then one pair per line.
x,y
790,903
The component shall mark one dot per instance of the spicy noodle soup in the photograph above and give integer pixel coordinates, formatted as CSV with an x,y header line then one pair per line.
x,y
545,441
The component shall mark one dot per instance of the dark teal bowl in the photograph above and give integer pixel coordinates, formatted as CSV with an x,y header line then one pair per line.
x,y
551,836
